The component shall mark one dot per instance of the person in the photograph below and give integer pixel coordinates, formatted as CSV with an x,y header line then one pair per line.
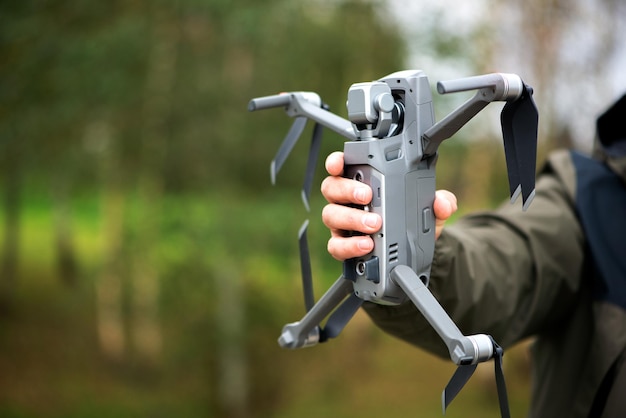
x,y
556,272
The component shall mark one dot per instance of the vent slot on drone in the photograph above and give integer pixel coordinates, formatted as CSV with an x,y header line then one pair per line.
x,y
393,253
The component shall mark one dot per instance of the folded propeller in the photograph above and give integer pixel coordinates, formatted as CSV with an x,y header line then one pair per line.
x,y
519,120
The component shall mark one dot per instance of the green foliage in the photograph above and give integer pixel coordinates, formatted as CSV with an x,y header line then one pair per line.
x,y
53,366
67,65
126,147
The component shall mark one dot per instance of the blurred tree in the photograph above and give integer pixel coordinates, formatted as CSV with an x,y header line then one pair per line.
x,y
17,40
267,48
129,103
571,52
258,49
58,74
156,131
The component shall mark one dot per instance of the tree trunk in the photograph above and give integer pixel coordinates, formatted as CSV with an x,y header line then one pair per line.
x,y
11,241
67,264
109,287
145,324
232,386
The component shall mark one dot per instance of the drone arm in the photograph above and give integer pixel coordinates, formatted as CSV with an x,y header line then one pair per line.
x,y
463,349
267,102
306,331
305,104
491,87
335,123
449,125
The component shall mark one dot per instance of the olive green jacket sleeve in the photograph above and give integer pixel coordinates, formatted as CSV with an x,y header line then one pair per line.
x,y
507,273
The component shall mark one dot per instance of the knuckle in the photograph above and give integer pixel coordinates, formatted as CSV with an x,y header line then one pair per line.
x,y
324,187
327,215
334,249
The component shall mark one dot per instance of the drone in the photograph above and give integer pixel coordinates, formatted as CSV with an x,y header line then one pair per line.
x,y
392,146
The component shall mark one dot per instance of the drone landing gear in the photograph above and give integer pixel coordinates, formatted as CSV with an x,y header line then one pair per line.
x,y
307,332
465,351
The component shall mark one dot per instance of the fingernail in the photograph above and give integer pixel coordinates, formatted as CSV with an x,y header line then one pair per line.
x,y
360,194
365,244
370,220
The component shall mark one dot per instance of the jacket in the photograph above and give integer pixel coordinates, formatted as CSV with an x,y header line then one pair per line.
x,y
516,275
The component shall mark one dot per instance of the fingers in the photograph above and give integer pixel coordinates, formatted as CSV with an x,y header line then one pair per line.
x,y
336,189
344,191
340,191
334,163
339,219
444,206
343,248
344,218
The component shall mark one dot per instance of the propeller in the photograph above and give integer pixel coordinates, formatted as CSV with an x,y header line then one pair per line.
x,y
341,316
309,174
305,267
465,371
302,106
520,119
456,383
297,127
288,143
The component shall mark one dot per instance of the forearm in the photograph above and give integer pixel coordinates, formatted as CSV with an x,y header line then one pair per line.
x,y
507,273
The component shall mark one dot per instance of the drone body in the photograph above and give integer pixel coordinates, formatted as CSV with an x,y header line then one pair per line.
x,y
402,179
392,146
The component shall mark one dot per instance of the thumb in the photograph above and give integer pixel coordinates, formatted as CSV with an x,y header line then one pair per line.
x,y
444,206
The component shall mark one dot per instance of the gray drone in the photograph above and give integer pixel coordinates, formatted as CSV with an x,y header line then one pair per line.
x,y
392,146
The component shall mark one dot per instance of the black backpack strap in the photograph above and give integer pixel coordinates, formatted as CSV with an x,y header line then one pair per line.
x,y
601,205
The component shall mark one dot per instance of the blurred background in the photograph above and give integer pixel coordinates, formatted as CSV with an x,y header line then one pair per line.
x,y
147,266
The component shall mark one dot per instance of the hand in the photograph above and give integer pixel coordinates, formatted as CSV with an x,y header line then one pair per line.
x,y
339,218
